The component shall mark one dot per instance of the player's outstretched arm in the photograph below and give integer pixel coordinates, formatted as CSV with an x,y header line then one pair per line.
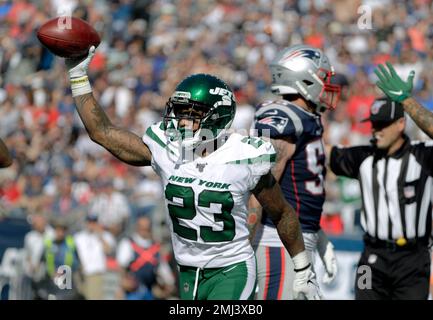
x,y
401,91
123,144
5,156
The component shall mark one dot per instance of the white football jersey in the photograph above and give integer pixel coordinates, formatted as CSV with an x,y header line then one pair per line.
x,y
207,197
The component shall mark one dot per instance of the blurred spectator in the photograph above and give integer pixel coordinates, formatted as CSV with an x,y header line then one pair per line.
x,y
34,246
146,275
93,245
32,198
147,193
111,207
60,251
244,114
358,106
64,205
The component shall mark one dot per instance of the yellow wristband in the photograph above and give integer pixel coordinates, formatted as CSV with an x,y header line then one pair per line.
x,y
79,80
80,86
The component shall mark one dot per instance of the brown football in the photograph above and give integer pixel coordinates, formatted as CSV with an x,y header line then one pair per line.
x,y
68,37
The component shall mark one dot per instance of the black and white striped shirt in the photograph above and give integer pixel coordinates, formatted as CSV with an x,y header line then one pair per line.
x,y
396,190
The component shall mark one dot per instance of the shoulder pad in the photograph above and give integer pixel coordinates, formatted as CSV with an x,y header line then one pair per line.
x,y
155,138
251,150
278,119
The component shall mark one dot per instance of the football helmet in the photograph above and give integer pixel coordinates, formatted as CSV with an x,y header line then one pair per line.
x,y
203,98
306,71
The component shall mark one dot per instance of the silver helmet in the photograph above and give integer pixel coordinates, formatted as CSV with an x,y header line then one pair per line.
x,y
306,71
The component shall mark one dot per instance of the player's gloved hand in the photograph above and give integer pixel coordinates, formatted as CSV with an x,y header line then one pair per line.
x,y
77,69
327,254
392,85
305,286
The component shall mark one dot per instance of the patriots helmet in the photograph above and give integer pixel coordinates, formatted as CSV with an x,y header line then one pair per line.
x,y
306,71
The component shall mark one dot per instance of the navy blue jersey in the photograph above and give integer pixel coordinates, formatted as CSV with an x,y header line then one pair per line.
x,y
303,176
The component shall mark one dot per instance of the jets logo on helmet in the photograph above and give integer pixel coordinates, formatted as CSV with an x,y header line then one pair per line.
x,y
226,96
208,96
305,71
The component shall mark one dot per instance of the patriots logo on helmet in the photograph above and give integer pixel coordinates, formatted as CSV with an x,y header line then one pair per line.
x,y
305,53
279,123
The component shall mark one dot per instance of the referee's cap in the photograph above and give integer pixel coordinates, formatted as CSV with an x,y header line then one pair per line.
x,y
385,110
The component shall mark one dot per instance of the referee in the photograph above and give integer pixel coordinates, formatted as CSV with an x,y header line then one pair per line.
x,y
395,176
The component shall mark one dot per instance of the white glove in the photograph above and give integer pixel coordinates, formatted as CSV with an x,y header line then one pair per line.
x,y
77,69
327,254
305,286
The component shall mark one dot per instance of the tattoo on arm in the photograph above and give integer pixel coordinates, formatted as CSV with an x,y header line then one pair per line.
x,y
123,144
285,150
422,117
254,216
5,156
268,193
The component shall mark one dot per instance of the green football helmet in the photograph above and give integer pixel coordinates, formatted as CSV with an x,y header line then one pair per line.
x,y
203,98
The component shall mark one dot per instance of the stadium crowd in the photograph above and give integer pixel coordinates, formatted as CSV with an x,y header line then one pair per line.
x,y
60,177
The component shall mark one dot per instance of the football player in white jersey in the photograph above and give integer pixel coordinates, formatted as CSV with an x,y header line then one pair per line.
x,y
208,176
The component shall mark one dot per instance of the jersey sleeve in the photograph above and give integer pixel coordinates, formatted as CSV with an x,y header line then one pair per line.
x,y
277,121
156,141
152,138
423,152
346,161
263,156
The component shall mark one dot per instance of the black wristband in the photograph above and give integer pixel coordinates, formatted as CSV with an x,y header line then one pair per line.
x,y
304,268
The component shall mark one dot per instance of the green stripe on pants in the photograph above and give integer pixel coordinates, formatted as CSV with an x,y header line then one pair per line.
x,y
234,282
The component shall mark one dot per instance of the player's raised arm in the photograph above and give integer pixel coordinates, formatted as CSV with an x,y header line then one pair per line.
x,y
269,195
401,91
123,144
5,157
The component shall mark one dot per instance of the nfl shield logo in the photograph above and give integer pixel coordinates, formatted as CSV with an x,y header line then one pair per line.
x,y
186,287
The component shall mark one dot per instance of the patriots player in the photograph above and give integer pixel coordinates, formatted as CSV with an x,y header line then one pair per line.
x,y
301,75
206,190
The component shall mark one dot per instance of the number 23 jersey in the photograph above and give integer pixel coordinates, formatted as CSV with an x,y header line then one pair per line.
x,y
207,198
